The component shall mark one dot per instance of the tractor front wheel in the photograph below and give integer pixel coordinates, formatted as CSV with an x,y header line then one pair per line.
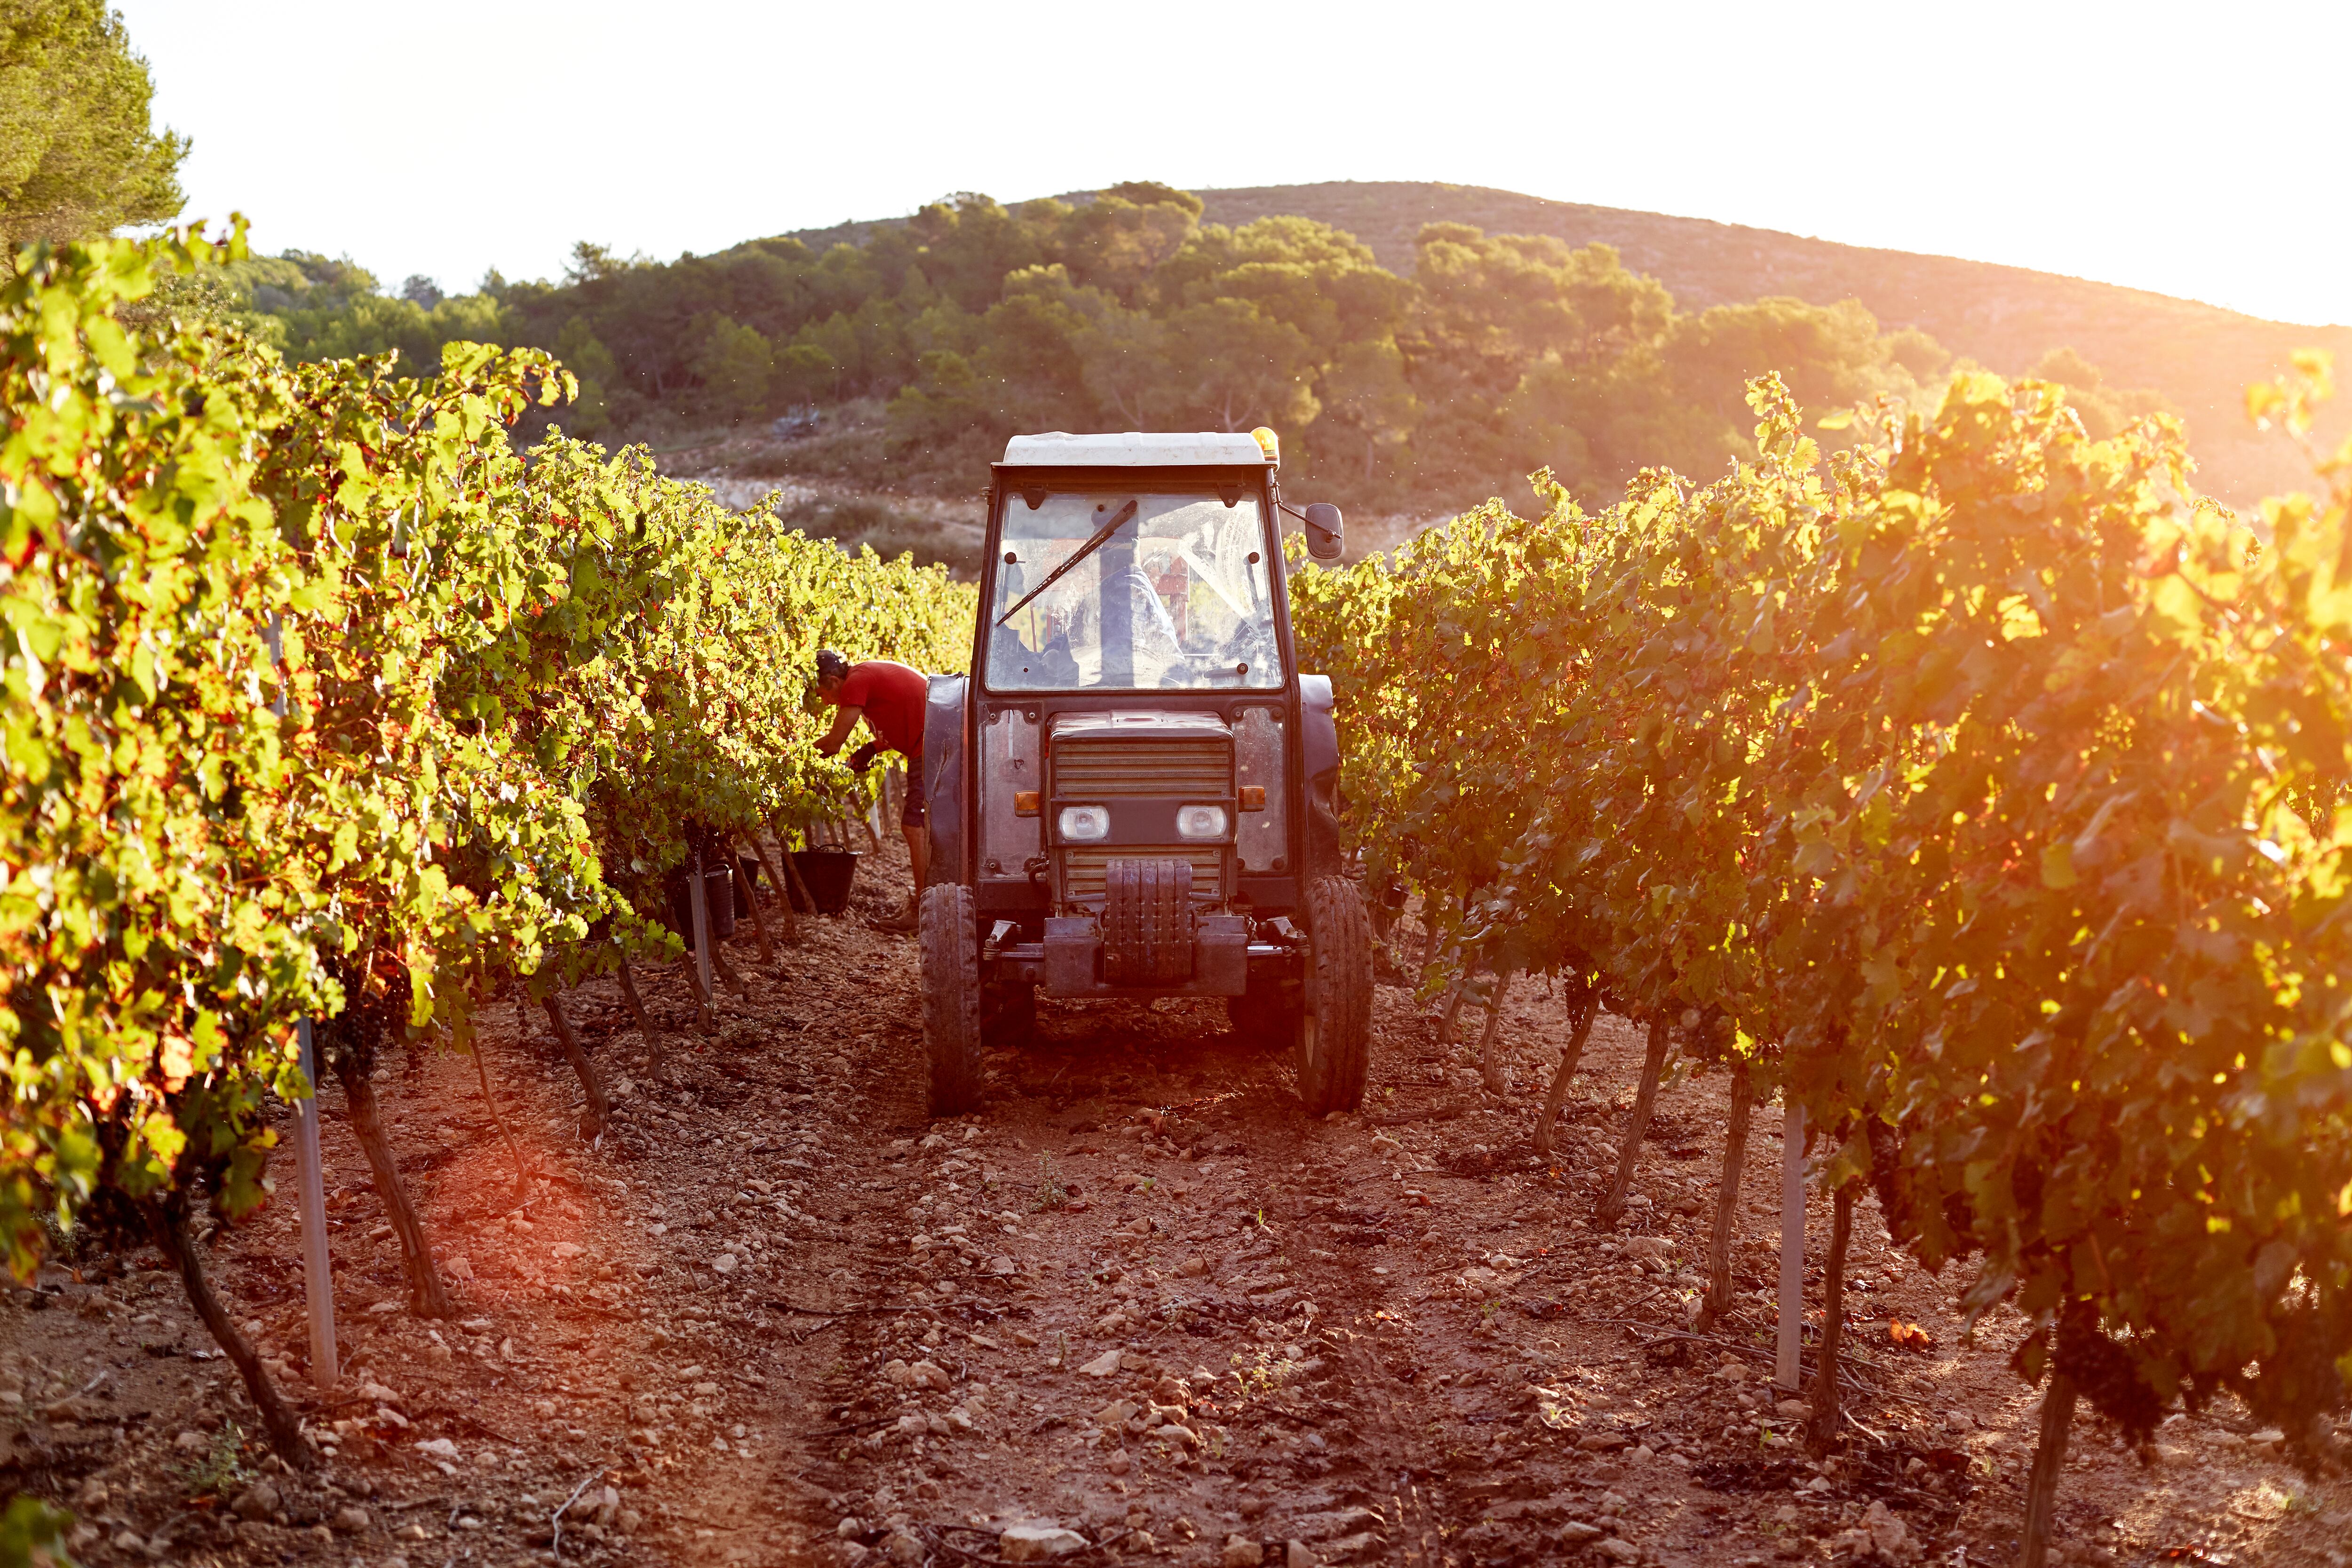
x,y
951,1035
1335,1035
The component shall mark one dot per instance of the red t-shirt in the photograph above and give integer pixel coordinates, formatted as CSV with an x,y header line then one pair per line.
x,y
893,697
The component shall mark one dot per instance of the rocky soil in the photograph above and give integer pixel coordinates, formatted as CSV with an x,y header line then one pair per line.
x,y
1137,1308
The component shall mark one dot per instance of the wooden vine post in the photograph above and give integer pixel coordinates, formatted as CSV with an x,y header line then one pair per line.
x,y
1611,1206
1583,1004
1718,1300
1823,1437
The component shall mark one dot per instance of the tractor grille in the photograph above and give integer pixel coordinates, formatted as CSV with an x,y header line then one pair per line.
x,y
1089,768
1083,871
1083,769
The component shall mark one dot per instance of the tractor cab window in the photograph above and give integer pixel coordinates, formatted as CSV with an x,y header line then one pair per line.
x,y
1132,593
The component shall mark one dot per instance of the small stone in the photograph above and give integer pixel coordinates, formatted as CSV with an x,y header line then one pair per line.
x,y
1038,1542
928,1374
1003,1266
192,1442
1119,1463
1889,1536
1241,1551
1102,1365
1959,1421
1194,1267
1296,1555
1576,1532
848,1527
351,1518
438,1448
1795,1409
565,1249
1602,1442
2266,1437
1024,1338
723,1264
258,1501
903,1548
1618,1550
92,1497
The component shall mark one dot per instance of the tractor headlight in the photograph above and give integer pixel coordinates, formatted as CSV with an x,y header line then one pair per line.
x,y
1199,822
1084,824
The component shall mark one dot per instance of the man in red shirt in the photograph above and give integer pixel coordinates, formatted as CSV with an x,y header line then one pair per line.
x,y
890,697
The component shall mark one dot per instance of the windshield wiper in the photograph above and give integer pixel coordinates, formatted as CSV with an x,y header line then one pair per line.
x,y
1117,519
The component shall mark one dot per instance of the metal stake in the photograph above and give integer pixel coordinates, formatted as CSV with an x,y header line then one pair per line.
x,y
318,1264
1785,1370
309,1168
697,903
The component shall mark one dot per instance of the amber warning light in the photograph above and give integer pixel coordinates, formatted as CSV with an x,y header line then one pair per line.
x,y
1269,443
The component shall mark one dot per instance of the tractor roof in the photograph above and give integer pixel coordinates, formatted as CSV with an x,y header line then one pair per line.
x,y
1135,449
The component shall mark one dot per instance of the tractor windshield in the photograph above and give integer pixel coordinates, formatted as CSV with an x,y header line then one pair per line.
x,y
1175,594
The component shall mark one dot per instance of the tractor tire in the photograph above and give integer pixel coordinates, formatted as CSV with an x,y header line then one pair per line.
x,y
952,1037
1335,1031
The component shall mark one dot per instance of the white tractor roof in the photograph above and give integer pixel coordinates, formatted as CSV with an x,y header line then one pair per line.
x,y
1134,449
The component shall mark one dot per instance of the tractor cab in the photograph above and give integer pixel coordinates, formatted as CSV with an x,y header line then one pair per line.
x,y
1134,792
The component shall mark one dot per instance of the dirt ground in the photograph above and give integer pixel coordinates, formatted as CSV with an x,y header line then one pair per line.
x,y
1137,1308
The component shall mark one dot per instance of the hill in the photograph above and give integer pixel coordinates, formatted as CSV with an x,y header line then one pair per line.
x,y
2198,356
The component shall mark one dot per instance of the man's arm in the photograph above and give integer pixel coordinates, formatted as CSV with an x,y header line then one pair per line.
x,y
844,720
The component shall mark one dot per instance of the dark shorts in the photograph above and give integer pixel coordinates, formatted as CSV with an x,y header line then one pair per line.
x,y
910,814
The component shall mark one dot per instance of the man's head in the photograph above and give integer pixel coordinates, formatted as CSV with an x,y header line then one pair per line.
x,y
832,670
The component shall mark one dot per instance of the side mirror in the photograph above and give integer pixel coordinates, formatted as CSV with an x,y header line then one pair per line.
x,y
1323,530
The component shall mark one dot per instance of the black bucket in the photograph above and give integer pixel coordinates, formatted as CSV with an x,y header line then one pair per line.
x,y
827,870
718,899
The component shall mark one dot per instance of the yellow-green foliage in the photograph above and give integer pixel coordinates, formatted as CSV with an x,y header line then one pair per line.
x,y
1991,792
304,662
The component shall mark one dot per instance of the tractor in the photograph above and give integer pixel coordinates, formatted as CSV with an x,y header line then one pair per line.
x,y
1135,791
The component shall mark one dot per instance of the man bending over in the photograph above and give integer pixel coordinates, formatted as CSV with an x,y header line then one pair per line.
x,y
889,697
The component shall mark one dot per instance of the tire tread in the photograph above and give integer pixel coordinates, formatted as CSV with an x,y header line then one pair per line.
x,y
1340,976
952,1037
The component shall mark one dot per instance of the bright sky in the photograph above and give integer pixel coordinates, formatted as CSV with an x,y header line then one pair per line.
x,y
2194,150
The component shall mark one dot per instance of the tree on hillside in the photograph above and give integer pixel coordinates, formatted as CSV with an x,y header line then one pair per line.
x,y
77,155
1365,392
1236,366
2104,409
737,366
1828,355
1118,241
